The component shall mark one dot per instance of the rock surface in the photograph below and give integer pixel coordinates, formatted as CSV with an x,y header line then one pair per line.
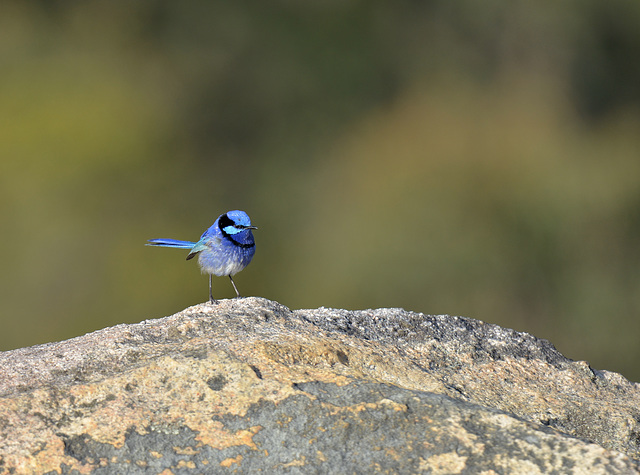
x,y
250,386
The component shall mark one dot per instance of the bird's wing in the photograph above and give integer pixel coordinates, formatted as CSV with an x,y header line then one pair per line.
x,y
203,244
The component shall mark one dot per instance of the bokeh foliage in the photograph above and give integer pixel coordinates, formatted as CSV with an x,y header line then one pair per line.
x,y
471,158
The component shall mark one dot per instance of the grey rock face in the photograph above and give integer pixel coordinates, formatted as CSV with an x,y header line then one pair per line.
x,y
248,385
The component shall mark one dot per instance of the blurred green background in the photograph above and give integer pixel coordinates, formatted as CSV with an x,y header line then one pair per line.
x,y
471,158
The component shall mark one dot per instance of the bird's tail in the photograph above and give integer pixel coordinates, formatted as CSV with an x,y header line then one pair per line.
x,y
171,243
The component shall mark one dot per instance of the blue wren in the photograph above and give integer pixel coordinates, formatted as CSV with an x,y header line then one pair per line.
x,y
225,248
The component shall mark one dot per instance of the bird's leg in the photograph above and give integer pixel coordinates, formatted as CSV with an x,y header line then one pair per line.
x,y
235,288
211,299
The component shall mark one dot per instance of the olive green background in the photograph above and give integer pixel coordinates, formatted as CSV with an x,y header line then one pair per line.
x,y
470,158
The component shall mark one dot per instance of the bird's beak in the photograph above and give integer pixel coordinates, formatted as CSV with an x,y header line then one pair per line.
x,y
251,227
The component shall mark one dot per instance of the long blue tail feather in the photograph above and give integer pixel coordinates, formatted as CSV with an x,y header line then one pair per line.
x,y
171,243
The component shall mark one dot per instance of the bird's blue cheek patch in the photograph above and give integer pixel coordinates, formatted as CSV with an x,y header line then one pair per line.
x,y
231,230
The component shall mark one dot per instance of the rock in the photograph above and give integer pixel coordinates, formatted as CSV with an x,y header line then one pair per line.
x,y
248,385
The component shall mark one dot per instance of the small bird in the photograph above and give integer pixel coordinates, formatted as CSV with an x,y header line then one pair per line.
x,y
225,248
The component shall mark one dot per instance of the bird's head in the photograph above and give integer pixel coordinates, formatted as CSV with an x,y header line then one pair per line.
x,y
235,222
